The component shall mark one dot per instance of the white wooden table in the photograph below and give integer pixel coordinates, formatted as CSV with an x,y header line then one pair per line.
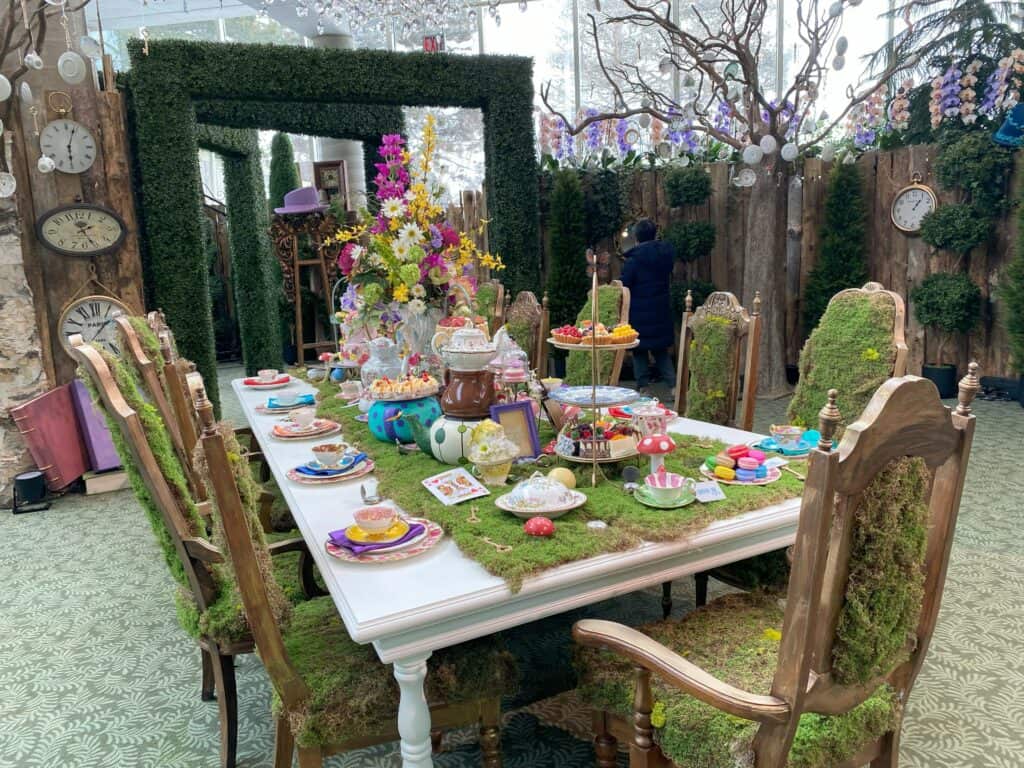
x,y
411,608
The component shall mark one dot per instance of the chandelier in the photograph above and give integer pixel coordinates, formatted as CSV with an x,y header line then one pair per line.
x,y
411,16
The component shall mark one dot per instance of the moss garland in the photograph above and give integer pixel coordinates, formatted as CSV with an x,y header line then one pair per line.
x,y
711,369
577,369
629,522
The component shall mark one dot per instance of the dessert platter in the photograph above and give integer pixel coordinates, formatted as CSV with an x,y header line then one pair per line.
x,y
380,535
740,465
571,337
540,496
599,440
405,388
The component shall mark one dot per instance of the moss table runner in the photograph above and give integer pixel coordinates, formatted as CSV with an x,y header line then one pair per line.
x,y
629,522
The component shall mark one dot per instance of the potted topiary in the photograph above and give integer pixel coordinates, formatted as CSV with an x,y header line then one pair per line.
x,y
950,304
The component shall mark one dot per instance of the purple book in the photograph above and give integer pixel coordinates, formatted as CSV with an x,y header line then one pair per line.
x,y
95,435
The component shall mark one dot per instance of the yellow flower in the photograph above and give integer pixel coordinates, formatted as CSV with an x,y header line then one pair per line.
x,y
658,714
870,354
400,293
772,634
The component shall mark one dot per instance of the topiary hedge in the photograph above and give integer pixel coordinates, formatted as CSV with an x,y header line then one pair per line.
x,y
687,186
691,240
957,228
948,302
297,85
567,273
284,176
1011,292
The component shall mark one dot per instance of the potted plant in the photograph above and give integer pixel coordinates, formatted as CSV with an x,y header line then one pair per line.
x,y
950,304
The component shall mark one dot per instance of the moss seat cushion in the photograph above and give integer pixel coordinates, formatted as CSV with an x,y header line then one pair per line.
x,y
736,638
354,694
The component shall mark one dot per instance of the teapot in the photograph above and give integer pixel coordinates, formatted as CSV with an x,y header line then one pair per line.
x,y
467,349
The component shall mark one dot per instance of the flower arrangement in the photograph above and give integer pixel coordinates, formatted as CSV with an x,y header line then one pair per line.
x,y
899,109
404,259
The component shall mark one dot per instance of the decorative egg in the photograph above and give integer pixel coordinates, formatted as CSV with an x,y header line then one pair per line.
x,y
768,144
789,152
539,526
752,154
564,476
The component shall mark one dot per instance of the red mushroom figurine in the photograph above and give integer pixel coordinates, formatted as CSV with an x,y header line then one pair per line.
x,y
539,526
656,446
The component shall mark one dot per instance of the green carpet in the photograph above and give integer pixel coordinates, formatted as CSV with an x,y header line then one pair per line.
x,y
95,671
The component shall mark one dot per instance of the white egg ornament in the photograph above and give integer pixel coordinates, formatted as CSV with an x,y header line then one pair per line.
x,y
789,151
841,45
828,153
752,154
838,63
5,88
768,144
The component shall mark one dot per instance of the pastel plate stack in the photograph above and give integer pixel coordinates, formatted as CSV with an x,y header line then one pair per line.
x,y
290,430
349,467
284,404
380,535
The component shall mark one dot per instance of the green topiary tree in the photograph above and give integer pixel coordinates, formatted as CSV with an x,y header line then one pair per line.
x,y
842,263
949,302
687,186
957,228
692,240
567,274
1012,293
284,176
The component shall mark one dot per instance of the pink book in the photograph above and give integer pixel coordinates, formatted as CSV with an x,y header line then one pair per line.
x,y
49,427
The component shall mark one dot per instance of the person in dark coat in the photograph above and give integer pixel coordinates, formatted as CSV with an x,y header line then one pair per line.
x,y
647,273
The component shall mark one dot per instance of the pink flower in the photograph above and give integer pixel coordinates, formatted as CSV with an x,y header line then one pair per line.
x,y
449,237
345,260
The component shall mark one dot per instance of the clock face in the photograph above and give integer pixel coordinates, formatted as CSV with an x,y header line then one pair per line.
x,y
910,207
81,230
93,317
70,145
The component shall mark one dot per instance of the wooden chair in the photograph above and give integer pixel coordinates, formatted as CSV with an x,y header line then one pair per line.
x,y
711,350
614,307
877,519
310,658
178,524
490,302
527,323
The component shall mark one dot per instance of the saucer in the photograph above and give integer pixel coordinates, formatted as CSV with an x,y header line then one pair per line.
x,y
645,497
394,533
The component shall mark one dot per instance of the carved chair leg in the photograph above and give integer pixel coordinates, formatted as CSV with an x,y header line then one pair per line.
x,y
666,599
284,742
490,734
307,576
227,699
207,692
435,740
265,508
701,582
606,746
642,749
310,757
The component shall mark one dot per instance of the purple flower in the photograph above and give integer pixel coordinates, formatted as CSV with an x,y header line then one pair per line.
x,y
621,127
349,298
592,133
436,238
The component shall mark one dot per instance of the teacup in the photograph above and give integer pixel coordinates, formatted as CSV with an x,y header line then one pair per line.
x,y
376,519
267,375
350,390
667,487
304,417
787,435
330,454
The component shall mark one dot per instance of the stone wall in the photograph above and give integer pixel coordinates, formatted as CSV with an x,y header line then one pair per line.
x,y
21,368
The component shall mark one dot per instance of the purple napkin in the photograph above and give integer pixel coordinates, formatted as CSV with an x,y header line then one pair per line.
x,y
339,539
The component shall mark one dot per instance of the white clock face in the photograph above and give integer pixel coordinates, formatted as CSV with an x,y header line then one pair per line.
x,y
911,206
70,145
93,317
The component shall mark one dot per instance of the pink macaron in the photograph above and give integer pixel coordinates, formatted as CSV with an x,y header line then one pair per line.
x,y
755,454
748,463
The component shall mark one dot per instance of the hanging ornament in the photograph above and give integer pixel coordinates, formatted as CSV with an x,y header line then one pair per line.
x,y
644,120
689,81
5,88
33,60
789,151
838,63
684,160
849,159
836,9
45,164
665,65
841,45
91,48
768,144
745,178
854,3
70,66
8,184
732,71
522,6
664,150
25,94
752,154
828,153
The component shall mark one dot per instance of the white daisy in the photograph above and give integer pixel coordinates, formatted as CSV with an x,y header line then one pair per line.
x,y
393,207
356,253
418,291
410,233
416,306
409,195
401,250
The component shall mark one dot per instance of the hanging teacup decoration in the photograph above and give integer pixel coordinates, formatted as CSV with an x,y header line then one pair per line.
x,y
71,68
689,81
8,184
752,154
664,150
768,144
5,88
45,164
90,47
33,60
745,178
665,65
789,151
828,153
835,9
684,160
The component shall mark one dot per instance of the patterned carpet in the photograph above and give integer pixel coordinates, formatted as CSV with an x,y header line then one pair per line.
x,y
95,671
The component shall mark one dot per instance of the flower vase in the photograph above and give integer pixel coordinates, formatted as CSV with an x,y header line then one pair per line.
x,y
415,333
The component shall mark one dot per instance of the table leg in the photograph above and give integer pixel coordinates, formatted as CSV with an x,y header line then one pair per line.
x,y
413,712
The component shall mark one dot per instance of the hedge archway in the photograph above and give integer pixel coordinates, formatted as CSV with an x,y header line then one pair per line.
x,y
179,80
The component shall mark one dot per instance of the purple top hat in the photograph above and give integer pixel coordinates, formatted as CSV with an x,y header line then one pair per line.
x,y
302,200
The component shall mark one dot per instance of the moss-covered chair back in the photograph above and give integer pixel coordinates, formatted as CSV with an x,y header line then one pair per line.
x,y
858,344
612,309
714,342
872,547
489,303
526,322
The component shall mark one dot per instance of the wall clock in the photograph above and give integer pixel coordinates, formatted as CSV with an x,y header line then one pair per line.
x,y
911,204
69,143
81,229
93,317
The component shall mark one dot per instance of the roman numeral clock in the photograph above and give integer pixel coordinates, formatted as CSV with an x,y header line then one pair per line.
x,y
93,318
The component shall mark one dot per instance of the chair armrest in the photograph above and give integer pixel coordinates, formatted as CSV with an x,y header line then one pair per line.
x,y
297,544
655,657
203,550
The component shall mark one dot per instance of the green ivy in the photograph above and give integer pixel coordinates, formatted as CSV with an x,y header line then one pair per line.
x,y
687,186
977,165
958,228
284,176
290,89
842,263
567,271
691,240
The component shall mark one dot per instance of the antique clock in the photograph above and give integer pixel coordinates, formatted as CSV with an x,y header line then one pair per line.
x,y
93,317
81,229
911,204
69,143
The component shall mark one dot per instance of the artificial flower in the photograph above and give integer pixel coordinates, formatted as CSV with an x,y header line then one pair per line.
x,y
410,274
410,233
418,291
417,307
401,250
392,207
400,293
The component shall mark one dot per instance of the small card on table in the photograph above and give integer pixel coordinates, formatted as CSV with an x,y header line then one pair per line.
x,y
709,491
454,486
775,461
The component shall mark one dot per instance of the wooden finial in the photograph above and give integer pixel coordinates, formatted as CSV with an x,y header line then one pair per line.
x,y
165,346
969,386
689,300
757,302
544,301
205,410
828,421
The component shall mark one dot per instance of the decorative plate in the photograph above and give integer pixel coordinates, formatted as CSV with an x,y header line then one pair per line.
x,y
394,533
628,411
284,381
404,398
266,410
609,460
602,396
773,474
428,540
584,345
362,470
322,428
771,445
552,513
644,496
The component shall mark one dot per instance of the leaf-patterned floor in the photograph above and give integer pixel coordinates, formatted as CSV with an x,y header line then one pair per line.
x,y
94,670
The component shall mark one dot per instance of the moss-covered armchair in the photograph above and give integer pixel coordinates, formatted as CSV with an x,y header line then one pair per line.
x,y
715,341
527,324
332,694
612,309
819,680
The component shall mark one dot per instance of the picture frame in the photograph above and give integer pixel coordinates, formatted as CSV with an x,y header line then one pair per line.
x,y
331,178
520,426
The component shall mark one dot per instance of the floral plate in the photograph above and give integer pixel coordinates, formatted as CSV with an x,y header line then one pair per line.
x,y
318,428
426,541
773,474
578,500
603,396
364,468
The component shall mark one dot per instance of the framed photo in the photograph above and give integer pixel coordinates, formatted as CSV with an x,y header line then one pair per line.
x,y
520,426
330,177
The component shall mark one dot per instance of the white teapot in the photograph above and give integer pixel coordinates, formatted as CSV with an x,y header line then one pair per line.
x,y
466,350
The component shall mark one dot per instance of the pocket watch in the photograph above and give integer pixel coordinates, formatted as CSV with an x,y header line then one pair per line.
x,y
911,204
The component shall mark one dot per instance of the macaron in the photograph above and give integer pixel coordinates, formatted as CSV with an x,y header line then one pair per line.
x,y
761,472
724,460
745,475
745,462
736,451
725,473
755,454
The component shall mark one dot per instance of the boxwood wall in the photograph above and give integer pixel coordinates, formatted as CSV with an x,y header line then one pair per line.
x,y
176,76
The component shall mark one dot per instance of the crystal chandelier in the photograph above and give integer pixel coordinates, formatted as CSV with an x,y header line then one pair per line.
x,y
411,15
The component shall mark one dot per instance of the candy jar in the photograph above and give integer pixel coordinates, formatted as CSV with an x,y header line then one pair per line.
x,y
384,361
